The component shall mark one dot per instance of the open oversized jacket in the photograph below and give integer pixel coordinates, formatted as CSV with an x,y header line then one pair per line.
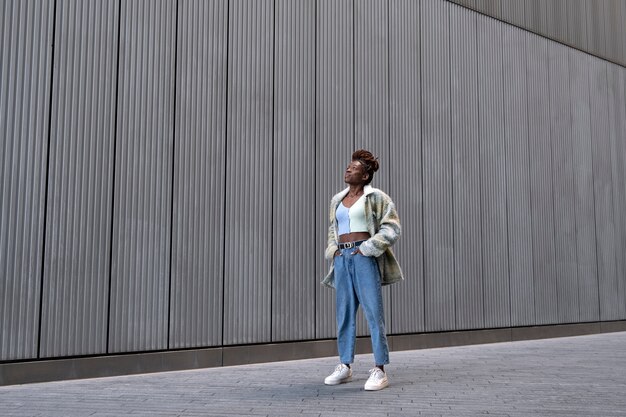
x,y
383,225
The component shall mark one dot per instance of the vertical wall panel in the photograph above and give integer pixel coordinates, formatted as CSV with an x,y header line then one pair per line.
x,y
468,272
556,19
613,32
541,194
142,200
602,188
535,12
563,179
371,99
596,36
371,82
517,176
26,33
466,3
80,184
583,188
293,279
622,33
334,132
513,12
577,23
437,181
248,248
617,133
495,253
490,7
198,191
405,150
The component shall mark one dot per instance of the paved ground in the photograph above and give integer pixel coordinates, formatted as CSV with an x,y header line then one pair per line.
x,y
582,376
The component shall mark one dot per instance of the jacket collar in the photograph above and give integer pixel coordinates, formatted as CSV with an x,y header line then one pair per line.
x,y
368,189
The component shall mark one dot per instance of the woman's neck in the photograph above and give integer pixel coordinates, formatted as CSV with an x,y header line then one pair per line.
x,y
355,190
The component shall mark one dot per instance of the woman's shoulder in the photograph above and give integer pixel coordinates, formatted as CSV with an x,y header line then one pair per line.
x,y
377,193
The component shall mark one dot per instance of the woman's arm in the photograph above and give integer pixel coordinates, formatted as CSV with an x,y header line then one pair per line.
x,y
389,229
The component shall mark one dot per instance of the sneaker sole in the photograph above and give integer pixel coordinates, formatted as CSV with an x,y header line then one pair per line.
x,y
341,381
377,388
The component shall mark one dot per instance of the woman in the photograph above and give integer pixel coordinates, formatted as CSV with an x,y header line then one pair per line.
x,y
363,226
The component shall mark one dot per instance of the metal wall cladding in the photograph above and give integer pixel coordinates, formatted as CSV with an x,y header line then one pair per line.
x,y
405,161
556,19
80,181
518,177
142,200
220,120
595,26
437,167
622,34
541,191
613,31
596,36
371,82
26,33
334,143
603,189
294,252
371,99
577,23
468,271
195,316
583,187
493,173
248,247
513,11
563,183
490,7
536,14
616,77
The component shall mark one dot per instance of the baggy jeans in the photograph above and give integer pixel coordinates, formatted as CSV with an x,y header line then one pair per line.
x,y
357,282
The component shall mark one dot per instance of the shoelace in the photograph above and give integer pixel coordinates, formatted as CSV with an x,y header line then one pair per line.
x,y
338,369
377,374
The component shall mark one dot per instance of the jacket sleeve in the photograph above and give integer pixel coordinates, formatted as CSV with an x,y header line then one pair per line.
x,y
331,246
389,230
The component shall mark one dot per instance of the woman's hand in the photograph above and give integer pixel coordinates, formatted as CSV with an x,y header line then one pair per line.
x,y
337,253
357,252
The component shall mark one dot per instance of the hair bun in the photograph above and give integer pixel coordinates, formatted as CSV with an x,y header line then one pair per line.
x,y
367,158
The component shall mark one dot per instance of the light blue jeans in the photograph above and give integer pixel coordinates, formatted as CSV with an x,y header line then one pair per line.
x,y
357,282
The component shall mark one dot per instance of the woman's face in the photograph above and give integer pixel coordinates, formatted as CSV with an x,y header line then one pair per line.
x,y
355,174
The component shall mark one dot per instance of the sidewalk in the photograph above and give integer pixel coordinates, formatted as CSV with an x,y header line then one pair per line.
x,y
574,376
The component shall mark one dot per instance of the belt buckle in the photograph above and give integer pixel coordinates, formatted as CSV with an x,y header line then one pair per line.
x,y
348,245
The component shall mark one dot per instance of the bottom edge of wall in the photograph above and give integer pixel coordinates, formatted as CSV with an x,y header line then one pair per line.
x,y
148,362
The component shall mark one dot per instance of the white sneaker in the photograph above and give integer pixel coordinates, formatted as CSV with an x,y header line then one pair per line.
x,y
377,380
342,374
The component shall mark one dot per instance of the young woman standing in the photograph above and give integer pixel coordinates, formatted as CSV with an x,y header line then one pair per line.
x,y
363,226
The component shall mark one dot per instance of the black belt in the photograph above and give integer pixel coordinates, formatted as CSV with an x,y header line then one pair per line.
x,y
349,245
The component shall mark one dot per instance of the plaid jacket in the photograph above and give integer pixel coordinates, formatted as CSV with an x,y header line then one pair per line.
x,y
383,225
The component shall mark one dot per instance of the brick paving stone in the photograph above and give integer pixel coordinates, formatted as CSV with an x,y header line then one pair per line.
x,y
576,376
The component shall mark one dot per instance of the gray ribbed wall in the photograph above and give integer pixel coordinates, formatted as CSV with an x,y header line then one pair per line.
x,y
493,178
334,131
293,189
167,166
465,153
199,135
594,26
405,147
80,188
26,35
249,172
142,196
